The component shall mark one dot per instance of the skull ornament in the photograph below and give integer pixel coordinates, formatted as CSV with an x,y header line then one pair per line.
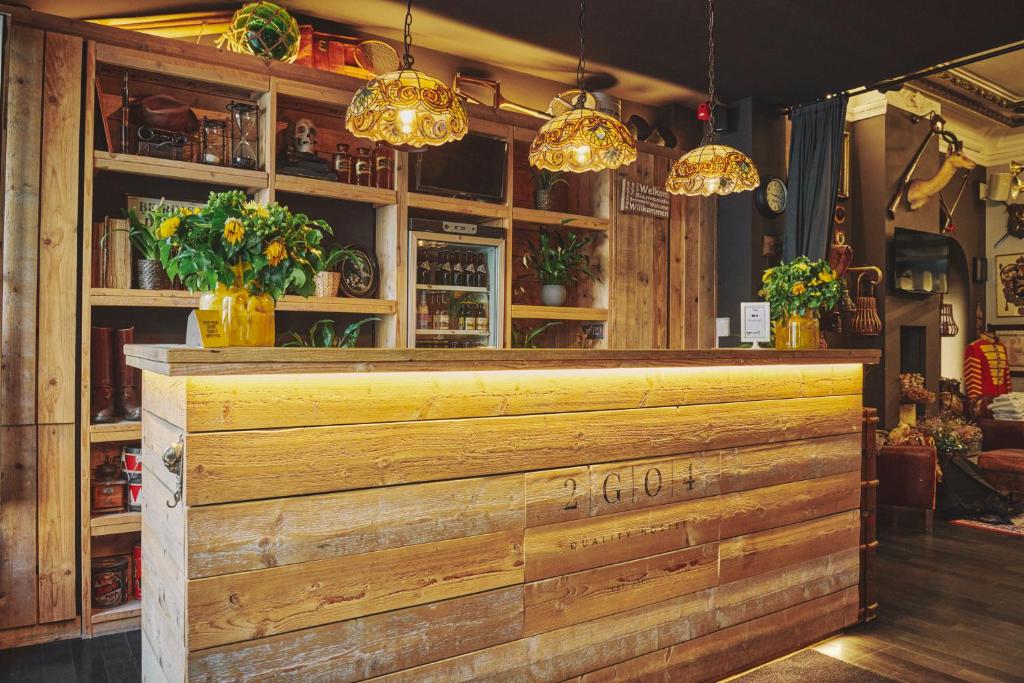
x,y
304,134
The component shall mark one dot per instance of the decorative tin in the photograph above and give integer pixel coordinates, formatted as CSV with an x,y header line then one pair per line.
x,y
109,581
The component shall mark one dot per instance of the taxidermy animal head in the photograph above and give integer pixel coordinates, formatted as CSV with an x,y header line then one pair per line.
x,y
920,191
303,136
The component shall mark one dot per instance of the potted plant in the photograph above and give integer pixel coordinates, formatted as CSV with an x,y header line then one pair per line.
x,y
149,272
544,182
951,434
526,338
797,291
329,277
322,335
913,397
557,260
242,256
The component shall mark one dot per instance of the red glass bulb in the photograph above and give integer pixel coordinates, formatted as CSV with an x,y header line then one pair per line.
x,y
704,111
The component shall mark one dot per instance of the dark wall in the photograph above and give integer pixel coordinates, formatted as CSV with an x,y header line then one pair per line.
x,y
760,131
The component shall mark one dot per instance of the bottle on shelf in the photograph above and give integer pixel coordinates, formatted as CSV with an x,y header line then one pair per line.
x,y
470,314
458,274
363,166
383,166
443,316
422,312
424,268
343,164
445,264
469,269
481,317
481,271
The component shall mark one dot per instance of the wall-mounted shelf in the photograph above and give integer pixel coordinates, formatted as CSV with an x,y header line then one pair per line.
x,y
181,299
466,207
454,333
116,523
115,431
559,313
451,288
576,222
132,608
179,170
335,190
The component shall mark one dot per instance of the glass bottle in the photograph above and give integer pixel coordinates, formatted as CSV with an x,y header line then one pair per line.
x,y
481,317
383,166
445,264
423,268
443,315
422,312
363,167
481,271
343,164
457,272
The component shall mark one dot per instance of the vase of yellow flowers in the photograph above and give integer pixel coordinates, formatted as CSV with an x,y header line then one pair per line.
x,y
242,256
797,291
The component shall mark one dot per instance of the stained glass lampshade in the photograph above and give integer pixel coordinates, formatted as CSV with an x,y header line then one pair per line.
x,y
582,139
407,109
712,169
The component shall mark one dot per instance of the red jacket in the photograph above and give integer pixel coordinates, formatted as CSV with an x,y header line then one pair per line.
x,y
986,367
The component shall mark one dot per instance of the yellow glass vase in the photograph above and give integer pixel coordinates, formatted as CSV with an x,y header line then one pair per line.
x,y
797,331
248,318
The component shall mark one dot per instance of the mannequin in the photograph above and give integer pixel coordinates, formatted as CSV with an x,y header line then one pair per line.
x,y
986,365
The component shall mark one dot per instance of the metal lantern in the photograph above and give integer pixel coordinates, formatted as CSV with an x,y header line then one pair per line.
x,y
245,135
947,324
213,138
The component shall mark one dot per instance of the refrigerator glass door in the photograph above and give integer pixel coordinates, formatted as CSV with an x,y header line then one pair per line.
x,y
456,281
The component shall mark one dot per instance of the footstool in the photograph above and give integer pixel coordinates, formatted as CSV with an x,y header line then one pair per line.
x,y
1004,469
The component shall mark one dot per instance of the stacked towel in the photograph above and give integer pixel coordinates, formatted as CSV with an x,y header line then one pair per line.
x,y
1008,406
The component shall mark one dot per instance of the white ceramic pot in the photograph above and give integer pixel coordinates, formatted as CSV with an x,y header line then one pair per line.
x,y
552,295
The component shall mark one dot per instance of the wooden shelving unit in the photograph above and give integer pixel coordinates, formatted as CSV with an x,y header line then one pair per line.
x,y
333,190
115,431
129,610
523,311
570,220
465,207
179,170
116,523
182,299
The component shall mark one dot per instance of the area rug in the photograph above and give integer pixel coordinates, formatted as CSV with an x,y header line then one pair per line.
x,y
993,523
809,666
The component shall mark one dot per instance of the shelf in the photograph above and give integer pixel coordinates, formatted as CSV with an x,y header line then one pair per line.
x,y
115,431
116,523
128,610
556,218
558,312
467,207
452,288
455,333
334,190
179,170
182,299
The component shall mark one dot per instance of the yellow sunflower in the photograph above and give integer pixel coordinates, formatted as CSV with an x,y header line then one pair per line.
x,y
827,275
234,231
798,288
168,227
276,252
258,209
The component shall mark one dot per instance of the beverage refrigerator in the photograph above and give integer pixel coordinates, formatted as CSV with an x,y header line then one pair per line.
x,y
456,271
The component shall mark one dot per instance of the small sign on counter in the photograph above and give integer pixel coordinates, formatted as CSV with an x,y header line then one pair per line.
x,y
755,322
206,330
644,199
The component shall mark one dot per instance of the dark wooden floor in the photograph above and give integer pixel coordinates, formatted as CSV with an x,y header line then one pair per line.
x,y
951,609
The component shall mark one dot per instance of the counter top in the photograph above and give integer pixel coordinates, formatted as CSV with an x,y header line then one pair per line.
x,y
176,360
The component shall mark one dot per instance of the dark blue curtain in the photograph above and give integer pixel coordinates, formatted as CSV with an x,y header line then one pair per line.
x,y
815,155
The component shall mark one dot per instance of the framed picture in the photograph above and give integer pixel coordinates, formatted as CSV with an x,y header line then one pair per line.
x,y
844,169
1012,337
1009,285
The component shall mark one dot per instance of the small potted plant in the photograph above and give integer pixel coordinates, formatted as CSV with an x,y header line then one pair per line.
x,y
329,277
557,260
544,182
527,338
913,397
952,435
149,272
323,335
797,292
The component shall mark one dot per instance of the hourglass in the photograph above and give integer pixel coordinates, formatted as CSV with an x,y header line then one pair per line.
x,y
245,134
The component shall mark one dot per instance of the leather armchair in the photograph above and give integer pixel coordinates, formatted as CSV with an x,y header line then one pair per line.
x,y
907,478
999,434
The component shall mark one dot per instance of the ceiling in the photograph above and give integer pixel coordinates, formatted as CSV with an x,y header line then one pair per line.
x,y
993,88
778,51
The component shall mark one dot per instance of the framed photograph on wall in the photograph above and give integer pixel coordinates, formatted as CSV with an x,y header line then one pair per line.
x,y
1012,337
1009,285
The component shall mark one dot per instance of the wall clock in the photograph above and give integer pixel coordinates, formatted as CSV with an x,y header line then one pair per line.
x,y
770,197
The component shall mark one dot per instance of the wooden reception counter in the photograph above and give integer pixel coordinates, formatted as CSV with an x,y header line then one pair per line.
x,y
501,515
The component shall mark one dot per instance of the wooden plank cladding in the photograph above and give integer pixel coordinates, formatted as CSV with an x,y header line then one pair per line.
x,y
541,525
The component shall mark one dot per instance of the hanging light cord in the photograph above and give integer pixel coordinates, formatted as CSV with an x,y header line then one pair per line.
x,y
581,66
709,131
407,59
